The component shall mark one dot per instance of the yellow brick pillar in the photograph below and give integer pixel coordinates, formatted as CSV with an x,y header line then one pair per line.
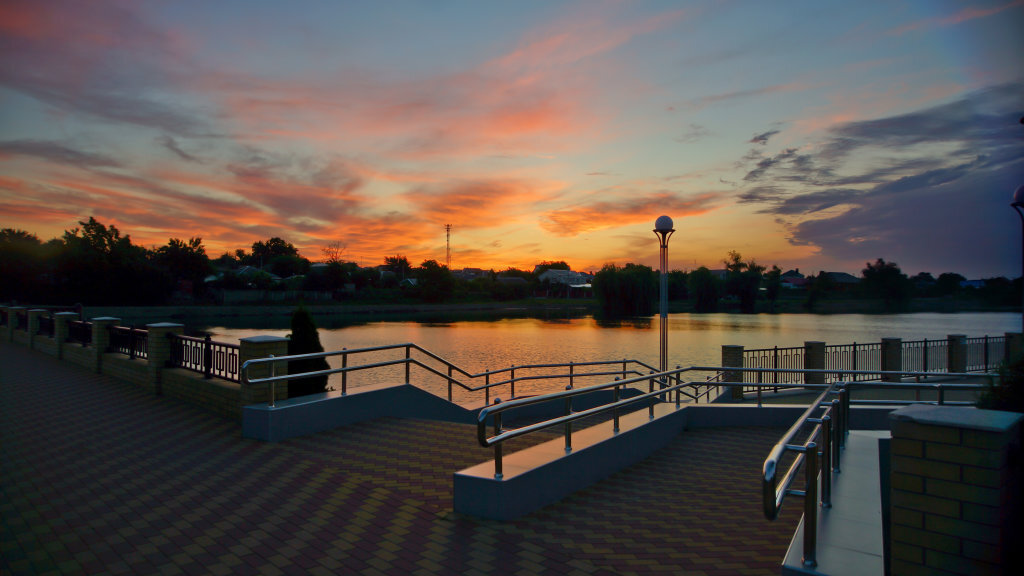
x,y
956,350
60,330
12,321
262,347
814,359
892,358
1014,345
33,324
159,351
101,338
955,490
732,356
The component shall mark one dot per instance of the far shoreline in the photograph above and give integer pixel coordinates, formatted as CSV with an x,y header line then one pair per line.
x,y
369,312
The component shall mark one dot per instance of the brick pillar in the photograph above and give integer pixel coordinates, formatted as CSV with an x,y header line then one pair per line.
x,y
60,330
12,321
955,490
814,359
732,357
892,358
956,350
101,338
262,347
159,351
33,324
1014,345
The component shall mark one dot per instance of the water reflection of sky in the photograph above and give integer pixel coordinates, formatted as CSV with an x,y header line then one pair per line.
x,y
694,339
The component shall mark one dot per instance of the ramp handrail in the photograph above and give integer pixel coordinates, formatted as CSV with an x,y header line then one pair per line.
x,y
626,367
832,427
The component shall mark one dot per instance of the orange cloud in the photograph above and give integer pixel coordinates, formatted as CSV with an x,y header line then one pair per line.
x,y
965,15
627,211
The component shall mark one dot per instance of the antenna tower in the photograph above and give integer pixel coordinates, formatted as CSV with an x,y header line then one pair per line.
x,y
448,245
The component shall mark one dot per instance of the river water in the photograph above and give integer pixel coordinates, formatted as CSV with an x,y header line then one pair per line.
x,y
693,339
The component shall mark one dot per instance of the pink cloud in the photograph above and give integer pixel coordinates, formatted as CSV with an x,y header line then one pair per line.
x,y
964,15
626,211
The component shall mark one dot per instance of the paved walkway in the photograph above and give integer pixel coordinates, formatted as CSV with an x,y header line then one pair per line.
x,y
98,477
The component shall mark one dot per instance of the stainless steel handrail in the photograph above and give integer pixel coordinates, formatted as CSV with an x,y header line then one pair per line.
x,y
408,361
832,426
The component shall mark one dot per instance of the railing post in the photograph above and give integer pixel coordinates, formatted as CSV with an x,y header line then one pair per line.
x,y
512,380
986,352
568,425
497,445
775,365
760,377
487,387
273,372
615,412
449,382
623,368
570,376
826,462
853,377
811,505
208,357
837,432
344,375
679,388
924,357
650,408
844,400
408,355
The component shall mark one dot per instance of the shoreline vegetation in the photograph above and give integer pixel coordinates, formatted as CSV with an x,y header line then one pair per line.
x,y
343,312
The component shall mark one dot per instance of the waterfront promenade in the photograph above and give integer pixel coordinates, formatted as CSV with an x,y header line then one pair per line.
x,y
100,477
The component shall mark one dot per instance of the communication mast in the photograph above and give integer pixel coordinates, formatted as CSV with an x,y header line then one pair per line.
x,y
448,245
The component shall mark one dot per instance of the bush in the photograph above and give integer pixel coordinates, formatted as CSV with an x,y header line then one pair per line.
x,y
1008,395
305,339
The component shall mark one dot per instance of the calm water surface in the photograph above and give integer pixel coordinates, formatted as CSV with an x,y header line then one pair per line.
x,y
694,339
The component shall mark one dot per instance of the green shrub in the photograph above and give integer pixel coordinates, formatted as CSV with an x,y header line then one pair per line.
x,y
1008,394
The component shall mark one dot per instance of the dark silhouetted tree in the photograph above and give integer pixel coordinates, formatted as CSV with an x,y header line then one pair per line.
x,y
435,282
773,285
628,291
742,280
705,290
885,280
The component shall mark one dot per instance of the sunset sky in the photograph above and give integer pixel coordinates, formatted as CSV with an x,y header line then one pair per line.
x,y
812,135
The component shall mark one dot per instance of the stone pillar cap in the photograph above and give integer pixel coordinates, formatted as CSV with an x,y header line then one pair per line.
x,y
958,417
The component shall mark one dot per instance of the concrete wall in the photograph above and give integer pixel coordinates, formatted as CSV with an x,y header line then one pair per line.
x,y
219,396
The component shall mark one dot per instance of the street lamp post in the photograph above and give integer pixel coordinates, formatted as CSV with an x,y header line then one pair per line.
x,y
1018,203
663,230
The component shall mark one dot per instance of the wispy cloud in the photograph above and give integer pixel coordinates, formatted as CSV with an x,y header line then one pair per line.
x,y
56,152
626,211
964,15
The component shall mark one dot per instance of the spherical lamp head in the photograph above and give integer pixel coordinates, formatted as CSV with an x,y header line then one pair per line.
x,y
663,224
1018,197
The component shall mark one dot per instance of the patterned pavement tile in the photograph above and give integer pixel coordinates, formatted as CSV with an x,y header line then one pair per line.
x,y
97,476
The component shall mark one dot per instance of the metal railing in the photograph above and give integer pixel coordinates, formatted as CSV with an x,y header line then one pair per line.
x,y
775,358
824,427
455,377
129,341
983,351
852,358
80,331
46,326
203,355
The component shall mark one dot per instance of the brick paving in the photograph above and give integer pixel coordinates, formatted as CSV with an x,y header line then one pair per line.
x,y
99,477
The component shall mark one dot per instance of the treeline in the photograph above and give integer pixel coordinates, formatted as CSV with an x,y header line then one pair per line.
x,y
747,286
95,264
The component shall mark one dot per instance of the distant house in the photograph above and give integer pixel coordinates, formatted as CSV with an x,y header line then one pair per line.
x,y
566,277
793,280
469,273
